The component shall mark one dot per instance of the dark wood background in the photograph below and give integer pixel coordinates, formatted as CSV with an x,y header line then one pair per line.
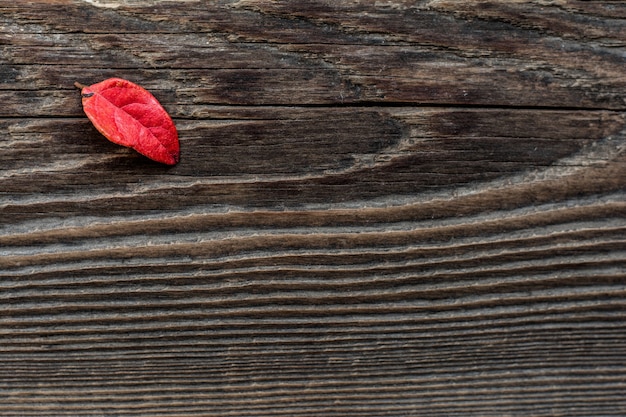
x,y
383,208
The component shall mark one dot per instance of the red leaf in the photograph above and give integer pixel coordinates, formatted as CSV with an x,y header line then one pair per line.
x,y
129,115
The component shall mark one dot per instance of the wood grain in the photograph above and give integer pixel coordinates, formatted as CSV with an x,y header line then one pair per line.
x,y
399,208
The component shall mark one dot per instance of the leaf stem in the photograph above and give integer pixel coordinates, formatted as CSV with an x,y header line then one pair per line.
x,y
79,85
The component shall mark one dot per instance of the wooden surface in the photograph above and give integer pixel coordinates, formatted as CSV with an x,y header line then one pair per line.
x,y
394,208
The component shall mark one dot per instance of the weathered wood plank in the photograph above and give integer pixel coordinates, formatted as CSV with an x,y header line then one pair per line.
x,y
276,157
334,59
382,209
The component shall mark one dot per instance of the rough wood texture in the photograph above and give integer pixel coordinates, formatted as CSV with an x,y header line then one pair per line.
x,y
382,209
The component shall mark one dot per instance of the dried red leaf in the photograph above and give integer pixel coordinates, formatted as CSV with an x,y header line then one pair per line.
x,y
129,115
